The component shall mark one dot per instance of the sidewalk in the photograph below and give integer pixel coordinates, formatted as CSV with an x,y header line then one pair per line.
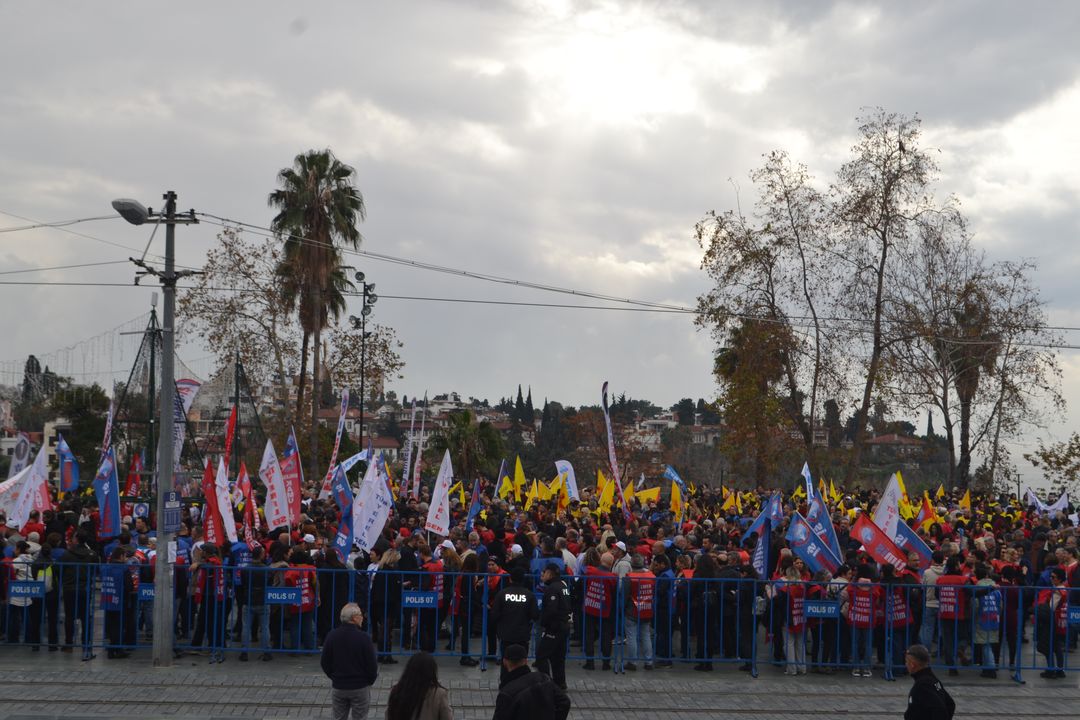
x,y
56,685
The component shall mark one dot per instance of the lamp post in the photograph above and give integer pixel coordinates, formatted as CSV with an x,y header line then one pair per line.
x,y
136,214
367,299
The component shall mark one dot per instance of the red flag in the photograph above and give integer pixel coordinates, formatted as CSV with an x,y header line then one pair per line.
x,y
131,488
251,518
926,514
230,434
877,544
214,532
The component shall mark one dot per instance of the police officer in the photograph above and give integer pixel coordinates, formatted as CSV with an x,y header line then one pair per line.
x,y
554,626
927,699
514,612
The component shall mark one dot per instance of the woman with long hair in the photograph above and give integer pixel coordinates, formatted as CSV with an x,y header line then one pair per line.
x,y
417,695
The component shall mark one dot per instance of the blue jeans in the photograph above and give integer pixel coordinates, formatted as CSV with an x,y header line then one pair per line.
x,y
264,626
633,627
929,626
861,652
303,631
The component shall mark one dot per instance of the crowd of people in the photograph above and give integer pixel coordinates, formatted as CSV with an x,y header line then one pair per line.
x,y
623,591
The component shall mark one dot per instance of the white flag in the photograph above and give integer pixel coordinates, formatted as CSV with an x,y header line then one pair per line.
x,y
221,489
809,482
34,482
563,467
887,513
371,507
438,518
1060,506
277,503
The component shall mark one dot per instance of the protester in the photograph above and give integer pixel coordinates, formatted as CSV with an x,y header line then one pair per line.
x,y
348,659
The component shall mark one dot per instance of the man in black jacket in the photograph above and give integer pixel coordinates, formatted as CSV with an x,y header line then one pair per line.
x,y
554,626
525,695
348,659
77,577
515,611
927,700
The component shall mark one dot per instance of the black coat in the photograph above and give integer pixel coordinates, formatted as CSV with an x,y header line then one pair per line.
x,y
527,695
927,699
515,611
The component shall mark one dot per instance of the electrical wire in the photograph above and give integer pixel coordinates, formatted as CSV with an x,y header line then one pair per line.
x,y
63,267
56,224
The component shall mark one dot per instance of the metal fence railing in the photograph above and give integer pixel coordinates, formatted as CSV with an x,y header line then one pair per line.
x,y
620,624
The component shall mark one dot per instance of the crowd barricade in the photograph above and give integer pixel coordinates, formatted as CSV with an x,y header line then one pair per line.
x,y
804,626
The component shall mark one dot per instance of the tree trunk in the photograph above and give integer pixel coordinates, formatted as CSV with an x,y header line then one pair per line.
x,y
313,450
303,377
963,467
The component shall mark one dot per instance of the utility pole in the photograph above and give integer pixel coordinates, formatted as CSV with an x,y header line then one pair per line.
x,y
164,614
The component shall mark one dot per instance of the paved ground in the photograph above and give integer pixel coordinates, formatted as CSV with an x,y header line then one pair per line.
x,y
55,685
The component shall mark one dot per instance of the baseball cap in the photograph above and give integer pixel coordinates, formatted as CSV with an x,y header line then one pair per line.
x,y
516,549
447,545
309,538
621,545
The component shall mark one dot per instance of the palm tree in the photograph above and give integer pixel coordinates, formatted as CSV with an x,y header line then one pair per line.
x,y
318,207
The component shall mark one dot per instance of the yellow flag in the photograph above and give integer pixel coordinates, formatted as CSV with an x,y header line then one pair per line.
x,y
900,484
531,496
691,487
729,502
505,487
821,488
562,495
607,497
800,492
543,491
833,495
628,491
601,481
965,502
677,506
519,479
648,495
940,492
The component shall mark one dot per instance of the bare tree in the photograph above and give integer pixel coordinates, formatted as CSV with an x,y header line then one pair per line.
x,y
236,306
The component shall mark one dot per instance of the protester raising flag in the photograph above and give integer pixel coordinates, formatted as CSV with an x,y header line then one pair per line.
x,y
371,508
615,478
107,491
276,507
563,467
438,518
325,491
343,498
877,544
293,475
808,480
805,543
69,468
222,506
474,506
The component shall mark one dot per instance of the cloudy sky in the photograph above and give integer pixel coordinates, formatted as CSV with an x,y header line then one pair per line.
x,y
567,143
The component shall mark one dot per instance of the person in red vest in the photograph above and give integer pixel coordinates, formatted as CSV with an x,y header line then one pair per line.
x,y
954,600
599,599
792,588
639,587
862,600
431,579
1052,623
301,574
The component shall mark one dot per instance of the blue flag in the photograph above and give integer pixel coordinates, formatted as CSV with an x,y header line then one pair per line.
x,y
760,559
775,509
107,490
805,543
821,523
474,506
670,474
69,469
909,541
342,494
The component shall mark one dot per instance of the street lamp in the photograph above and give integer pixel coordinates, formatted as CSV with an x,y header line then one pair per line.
x,y
367,299
136,214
